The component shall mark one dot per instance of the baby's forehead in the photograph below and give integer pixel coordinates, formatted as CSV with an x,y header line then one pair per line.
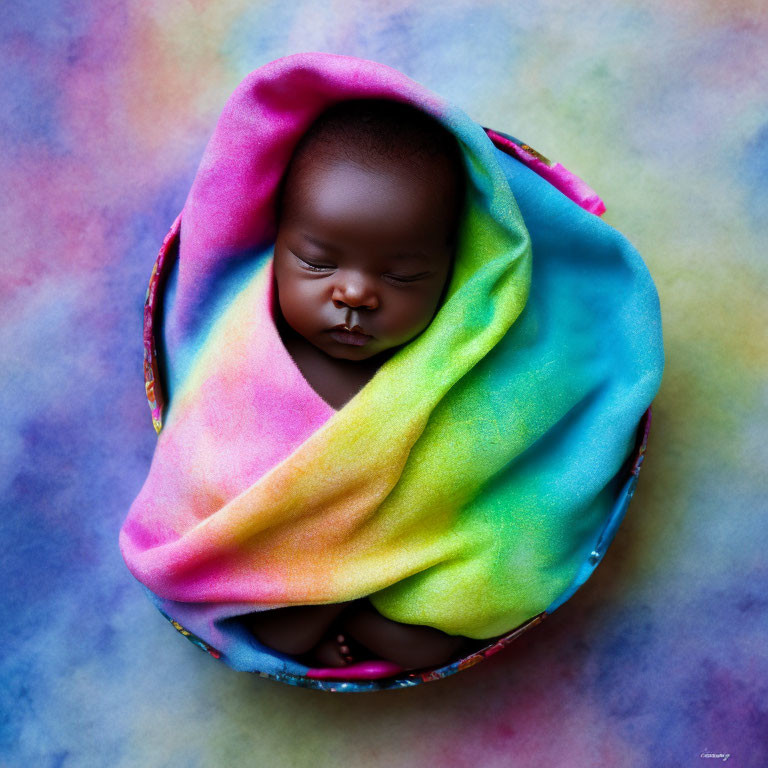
x,y
336,162
404,199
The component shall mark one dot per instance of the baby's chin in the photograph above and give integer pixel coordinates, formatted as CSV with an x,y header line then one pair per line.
x,y
350,352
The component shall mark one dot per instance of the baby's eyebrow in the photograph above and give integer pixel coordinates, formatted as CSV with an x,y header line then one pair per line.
x,y
410,255
319,243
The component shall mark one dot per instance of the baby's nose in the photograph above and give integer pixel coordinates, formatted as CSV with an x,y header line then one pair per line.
x,y
359,295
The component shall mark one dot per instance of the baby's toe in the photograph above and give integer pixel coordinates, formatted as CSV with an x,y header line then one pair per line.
x,y
338,650
327,653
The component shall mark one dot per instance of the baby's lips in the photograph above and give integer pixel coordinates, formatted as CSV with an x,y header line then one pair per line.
x,y
353,329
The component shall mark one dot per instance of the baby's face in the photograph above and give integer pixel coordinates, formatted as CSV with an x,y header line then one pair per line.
x,y
367,249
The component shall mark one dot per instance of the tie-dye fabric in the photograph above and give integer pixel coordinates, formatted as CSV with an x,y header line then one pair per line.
x,y
470,483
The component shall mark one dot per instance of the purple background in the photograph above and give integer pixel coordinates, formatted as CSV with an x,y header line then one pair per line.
x,y
105,109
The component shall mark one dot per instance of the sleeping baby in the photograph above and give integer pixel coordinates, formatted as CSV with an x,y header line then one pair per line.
x,y
384,438
368,216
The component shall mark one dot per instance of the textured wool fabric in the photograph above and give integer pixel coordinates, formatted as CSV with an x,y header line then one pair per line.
x,y
465,486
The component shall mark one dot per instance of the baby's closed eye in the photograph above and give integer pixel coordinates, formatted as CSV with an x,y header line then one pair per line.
x,y
313,266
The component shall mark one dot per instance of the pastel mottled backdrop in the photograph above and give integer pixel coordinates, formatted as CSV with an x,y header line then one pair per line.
x,y
661,658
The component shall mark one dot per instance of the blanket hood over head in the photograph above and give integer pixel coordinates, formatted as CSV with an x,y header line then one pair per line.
x,y
466,484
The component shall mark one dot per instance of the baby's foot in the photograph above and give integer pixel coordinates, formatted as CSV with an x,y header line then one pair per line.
x,y
337,650
409,645
295,629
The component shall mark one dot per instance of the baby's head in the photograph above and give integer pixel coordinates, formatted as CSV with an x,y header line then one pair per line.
x,y
368,217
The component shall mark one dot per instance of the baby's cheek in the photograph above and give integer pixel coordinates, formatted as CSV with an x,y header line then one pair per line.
x,y
414,315
302,307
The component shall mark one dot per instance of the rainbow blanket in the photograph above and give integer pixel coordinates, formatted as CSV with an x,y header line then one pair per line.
x,y
465,486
